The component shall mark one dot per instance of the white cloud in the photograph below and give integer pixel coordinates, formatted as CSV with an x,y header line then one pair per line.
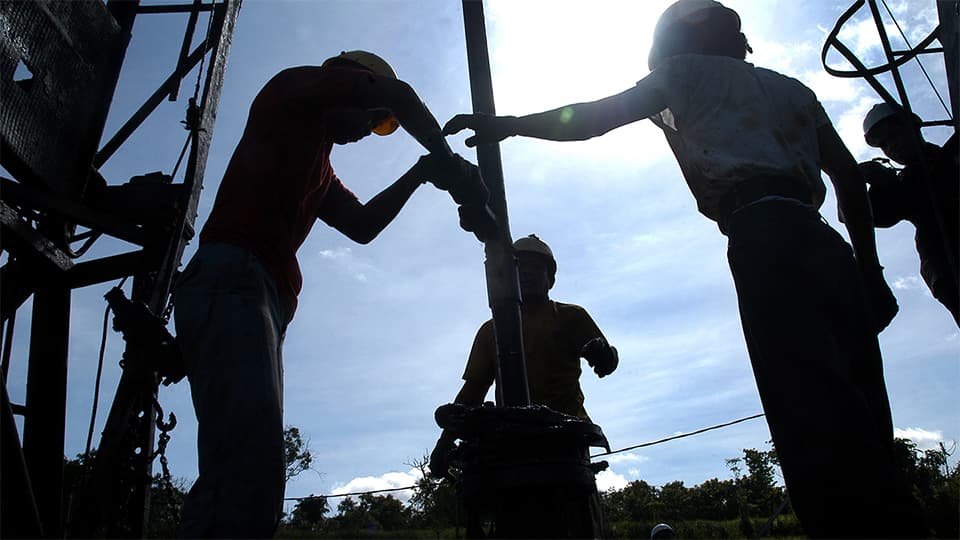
x,y
390,480
607,480
924,439
345,261
907,283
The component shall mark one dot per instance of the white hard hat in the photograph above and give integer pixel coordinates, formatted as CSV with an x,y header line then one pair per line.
x,y
879,112
690,12
660,528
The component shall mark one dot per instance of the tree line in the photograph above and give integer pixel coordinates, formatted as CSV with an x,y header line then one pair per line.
x,y
751,504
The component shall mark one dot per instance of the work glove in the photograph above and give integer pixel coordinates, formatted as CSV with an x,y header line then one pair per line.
x,y
457,176
479,220
878,173
601,356
880,299
440,458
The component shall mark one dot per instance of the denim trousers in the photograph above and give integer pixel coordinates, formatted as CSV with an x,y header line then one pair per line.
x,y
819,372
230,325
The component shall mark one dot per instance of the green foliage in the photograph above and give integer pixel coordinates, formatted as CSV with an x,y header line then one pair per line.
x,y
434,504
296,452
166,502
309,513
935,485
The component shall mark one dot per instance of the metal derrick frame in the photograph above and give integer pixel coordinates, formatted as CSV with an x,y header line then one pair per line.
x,y
115,501
947,33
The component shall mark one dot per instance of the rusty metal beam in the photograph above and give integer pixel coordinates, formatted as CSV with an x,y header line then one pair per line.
x,y
149,106
81,214
45,422
18,498
18,284
110,268
27,243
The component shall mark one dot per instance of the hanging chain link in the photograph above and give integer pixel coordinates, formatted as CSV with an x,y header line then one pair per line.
x,y
166,482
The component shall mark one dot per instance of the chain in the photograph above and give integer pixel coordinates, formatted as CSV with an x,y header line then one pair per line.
x,y
166,483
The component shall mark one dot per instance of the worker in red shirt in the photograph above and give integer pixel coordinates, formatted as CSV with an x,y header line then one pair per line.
x,y
238,293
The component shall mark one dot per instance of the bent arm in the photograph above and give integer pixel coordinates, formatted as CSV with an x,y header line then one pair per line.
x,y
364,222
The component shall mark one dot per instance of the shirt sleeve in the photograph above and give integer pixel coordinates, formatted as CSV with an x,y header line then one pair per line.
x,y
581,327
481,365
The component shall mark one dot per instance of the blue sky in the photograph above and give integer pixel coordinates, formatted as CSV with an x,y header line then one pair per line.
x,y
383,331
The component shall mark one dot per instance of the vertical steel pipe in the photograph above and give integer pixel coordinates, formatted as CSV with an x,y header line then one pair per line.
x,y
503,286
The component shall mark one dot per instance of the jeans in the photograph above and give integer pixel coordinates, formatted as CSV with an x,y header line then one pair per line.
x,y
819,372
230,326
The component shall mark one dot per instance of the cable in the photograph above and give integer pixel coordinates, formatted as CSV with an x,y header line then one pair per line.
x,y
682,435
348,494
96,385
651,443
925,74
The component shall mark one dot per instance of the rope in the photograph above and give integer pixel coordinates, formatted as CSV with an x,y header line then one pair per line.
x,y
651,443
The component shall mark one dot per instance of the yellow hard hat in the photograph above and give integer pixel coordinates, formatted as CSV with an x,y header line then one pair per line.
x,y
380,67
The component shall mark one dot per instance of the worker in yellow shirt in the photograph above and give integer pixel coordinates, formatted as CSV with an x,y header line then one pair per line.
x,y
555,337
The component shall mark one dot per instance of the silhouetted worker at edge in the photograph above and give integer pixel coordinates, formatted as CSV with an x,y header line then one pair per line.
x,y
930,175
751,143
239,292
555,337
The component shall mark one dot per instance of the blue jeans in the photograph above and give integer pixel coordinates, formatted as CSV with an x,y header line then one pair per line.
x,y
230,326
819,372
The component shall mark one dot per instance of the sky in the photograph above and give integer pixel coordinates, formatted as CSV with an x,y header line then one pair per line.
x,y
383,331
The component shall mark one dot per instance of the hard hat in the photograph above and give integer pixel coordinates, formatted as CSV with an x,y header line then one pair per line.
x,y
533,244
661,529
368,60
380,67
690,12
879,112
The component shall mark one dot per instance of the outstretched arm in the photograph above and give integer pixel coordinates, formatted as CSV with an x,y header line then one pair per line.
x,y
575,122
849,184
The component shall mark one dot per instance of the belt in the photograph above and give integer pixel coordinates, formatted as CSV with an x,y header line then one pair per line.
x,y
753,189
